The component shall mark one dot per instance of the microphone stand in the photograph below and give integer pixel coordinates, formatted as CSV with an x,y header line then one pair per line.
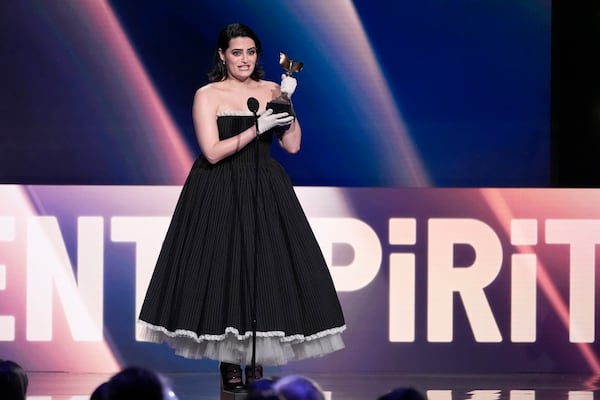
x,y
253,106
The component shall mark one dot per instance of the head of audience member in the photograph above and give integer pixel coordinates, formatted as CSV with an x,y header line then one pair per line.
x,y
134,383
298,387
262,389
403,393
101,392
13,380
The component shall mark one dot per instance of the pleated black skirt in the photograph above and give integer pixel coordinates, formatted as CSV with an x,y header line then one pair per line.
x,y
229,224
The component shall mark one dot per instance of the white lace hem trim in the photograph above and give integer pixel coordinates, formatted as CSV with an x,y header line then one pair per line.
x,y
233,331
272,348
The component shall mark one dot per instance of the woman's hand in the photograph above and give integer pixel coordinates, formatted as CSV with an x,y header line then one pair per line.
x,y
267,120
288,84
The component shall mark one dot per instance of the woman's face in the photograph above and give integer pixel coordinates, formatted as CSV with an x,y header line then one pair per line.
x,y
240,57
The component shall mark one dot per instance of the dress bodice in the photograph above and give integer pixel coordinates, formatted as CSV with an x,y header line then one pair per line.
x,y
232,125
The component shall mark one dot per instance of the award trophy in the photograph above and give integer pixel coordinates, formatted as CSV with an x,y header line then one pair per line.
x,y
283,102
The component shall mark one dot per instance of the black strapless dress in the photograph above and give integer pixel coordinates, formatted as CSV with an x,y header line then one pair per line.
x,y
199,299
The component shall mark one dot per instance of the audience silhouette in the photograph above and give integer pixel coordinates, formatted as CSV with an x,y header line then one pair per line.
x,y
403,393
101,392
13,381
134,383
138,383
298,387
262,389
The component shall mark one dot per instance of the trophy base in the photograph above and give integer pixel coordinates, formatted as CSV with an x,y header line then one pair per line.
x,y
280,107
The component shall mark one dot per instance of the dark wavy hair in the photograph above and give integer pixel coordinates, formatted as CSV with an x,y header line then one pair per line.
x,y
218,71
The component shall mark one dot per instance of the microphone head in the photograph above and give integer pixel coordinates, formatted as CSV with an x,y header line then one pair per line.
x,y
252,104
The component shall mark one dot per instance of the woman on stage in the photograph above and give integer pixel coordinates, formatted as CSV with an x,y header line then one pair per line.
x,y
237,216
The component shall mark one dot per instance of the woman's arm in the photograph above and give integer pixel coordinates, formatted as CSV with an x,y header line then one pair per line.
x,y
204,113
291,138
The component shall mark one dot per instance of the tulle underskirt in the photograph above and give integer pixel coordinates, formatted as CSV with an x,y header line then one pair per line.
x,y
272,348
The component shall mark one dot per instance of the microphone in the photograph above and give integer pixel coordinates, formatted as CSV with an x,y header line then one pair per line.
x,y
252,104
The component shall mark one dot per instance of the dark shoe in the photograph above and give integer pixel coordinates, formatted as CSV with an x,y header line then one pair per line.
x,y
251,377
231,377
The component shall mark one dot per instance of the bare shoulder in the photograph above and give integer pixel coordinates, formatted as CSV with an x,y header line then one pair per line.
x,y
208,94
207,91
268,84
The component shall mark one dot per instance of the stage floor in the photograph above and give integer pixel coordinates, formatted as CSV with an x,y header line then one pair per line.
x,y
205,386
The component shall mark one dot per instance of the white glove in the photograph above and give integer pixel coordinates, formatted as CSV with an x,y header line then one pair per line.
x,y
288,84
267,120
